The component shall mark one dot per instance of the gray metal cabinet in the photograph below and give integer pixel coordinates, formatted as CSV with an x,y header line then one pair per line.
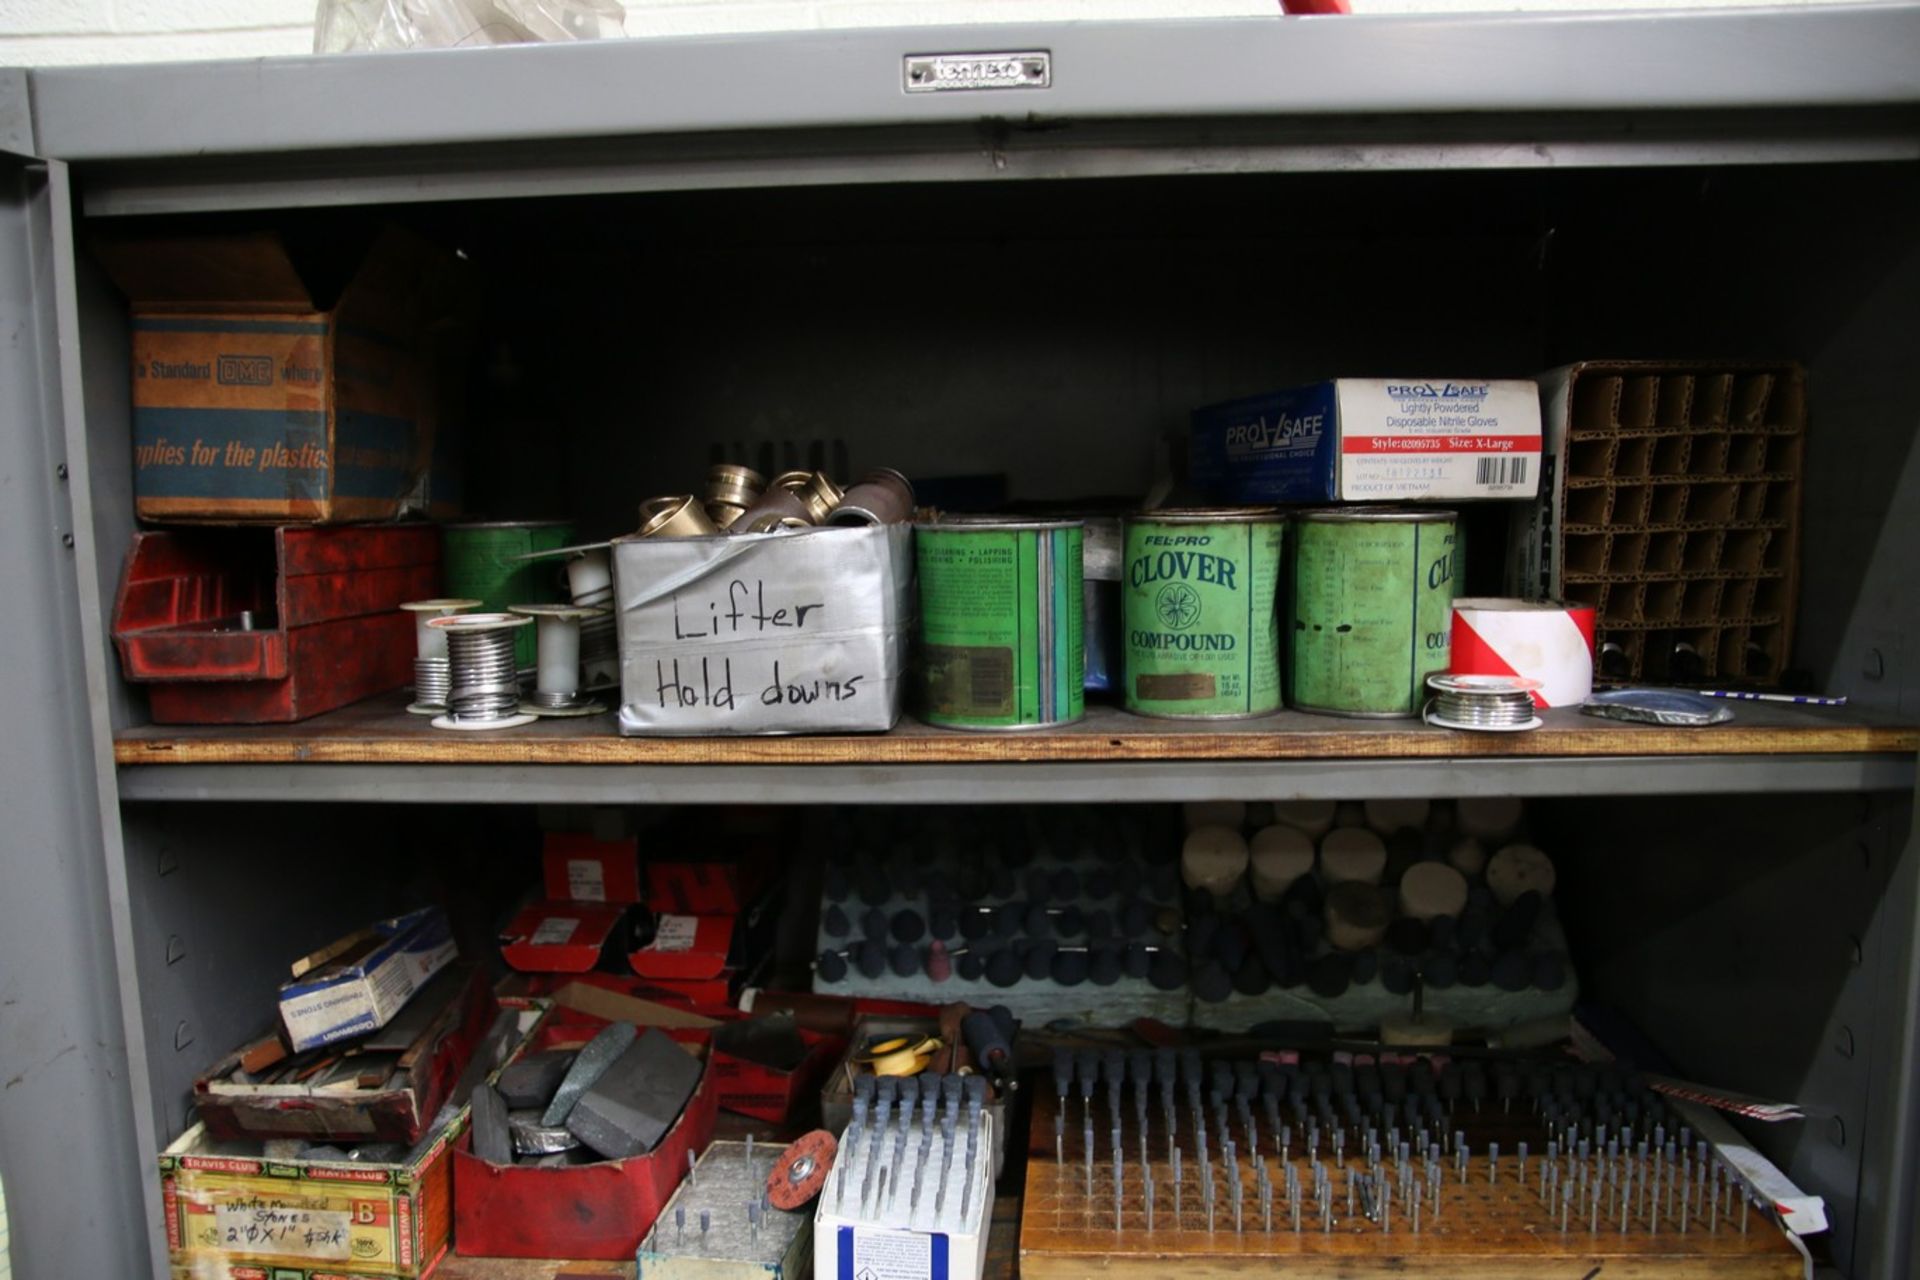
x,y
1038,276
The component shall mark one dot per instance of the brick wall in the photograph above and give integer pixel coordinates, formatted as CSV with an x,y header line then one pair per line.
x,y
48,32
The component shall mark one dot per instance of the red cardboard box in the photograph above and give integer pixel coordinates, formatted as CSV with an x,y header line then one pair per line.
x,y
695,888
766,1090
564,937
588,1211
688,956
579,868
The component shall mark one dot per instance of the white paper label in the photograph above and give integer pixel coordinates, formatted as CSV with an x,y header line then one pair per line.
x,y
675,933
1418,438
586,880
555,930
285,1230
891,1255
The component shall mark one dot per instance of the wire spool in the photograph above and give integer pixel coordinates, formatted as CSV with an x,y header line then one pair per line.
x,y
556,689
432,675
1483,704
801,1170
485,691
590,584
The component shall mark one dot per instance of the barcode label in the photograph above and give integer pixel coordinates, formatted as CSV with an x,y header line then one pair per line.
x,y
1500,470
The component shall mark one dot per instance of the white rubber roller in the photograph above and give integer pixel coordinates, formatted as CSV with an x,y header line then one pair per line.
x,y
1467,856
1519,868
1430,889
1352,853
1315,817
1389,816
1279,855
1357,916
1213,859
1491,818
1215,813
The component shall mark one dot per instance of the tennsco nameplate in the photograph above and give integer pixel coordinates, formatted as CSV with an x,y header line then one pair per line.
x,y
936,72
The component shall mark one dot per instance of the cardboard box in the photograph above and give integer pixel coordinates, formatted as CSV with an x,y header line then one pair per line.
x,y
836,1099
797,632
587,1211
358,983
768,1068
695,888
259,626
265,389
244,1217
579,868
423,1058
565,937
1371,440
845,1248
1670,504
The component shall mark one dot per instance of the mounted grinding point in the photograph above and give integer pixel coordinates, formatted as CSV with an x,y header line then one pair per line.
x,y
1356,916
1467,856
1251,978
1168,971
1038,961
1352,854
1213,859
1007,919
907,926
1211,983
1396,975
1430,889
939,963
1440,970
1036,921
1214,813
975,924
1474,970
1328,975
1103,965
870,957
1135,918
1514,928
1069,923
1277,856
873,922
1518,868
971,966
1366,967
1389,816
1136,960
1070,968
1407,936
943,923
904,960
1100,925
835,922
1003,968
831,966
1315,817
1512,971
1493,819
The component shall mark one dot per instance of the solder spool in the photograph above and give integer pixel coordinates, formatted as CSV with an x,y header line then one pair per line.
x,y
1487,704
590,584
485,692
556,690
432,676
678,516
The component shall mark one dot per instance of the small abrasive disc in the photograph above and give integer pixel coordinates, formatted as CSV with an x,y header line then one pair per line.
x,y
1103,965
835,922
832,966
908,926
1070,968
801,1170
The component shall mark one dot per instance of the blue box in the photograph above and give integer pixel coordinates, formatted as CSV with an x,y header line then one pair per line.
x,y
358,983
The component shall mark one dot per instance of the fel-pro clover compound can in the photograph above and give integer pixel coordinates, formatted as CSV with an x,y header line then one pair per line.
x,y
1001,618
1199,594
1372,608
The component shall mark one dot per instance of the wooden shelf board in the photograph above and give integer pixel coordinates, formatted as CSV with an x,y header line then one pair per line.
x,y
379,731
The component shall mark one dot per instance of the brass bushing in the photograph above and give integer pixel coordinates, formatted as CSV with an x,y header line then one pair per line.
x,y
883,496
733,486
680,516
820,494
777,509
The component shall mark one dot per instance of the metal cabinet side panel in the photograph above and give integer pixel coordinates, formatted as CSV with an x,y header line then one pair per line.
x,y
74,1168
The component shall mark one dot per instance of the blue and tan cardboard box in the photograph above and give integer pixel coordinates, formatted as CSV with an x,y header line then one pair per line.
x,y
256,398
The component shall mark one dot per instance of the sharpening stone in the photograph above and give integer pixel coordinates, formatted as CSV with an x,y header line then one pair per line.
x,y
492,1141
594,1058
532,1081
636,1101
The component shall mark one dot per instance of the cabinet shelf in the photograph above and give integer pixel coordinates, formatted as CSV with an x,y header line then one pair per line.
x,y
363,753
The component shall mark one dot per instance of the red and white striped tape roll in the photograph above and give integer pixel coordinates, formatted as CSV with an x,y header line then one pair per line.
x,y
1546,642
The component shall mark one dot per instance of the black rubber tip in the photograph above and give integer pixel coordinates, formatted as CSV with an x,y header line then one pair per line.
x,y
974,923
1003,968
1441,931
1513,971
1136,960
1408,936
1328,975
943,923
1103,965
1440,970
904,960
908,926
1070,968
1168,971
1038,960
1202,931
835,922
870,958
873,922
1100,925
832,966
1211,982
1514,928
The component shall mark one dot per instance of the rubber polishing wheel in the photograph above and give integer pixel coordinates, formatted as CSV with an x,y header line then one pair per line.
x,y
1070,968
907,926
1168,972
836,923
1003,968
1103,965
832,966
801,1170
1211,983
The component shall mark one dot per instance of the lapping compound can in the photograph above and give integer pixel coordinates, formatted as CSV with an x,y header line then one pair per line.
x,y
482,560
1000,622
1372,608
1200,597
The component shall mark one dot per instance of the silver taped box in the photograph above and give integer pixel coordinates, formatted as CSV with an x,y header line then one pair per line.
x,y
803,631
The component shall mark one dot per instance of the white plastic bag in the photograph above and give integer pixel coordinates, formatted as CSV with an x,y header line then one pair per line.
x,y
360,26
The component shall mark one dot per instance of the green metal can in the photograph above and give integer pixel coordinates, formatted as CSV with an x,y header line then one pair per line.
x,y
1200,612
481,560
1000,622
1372,608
